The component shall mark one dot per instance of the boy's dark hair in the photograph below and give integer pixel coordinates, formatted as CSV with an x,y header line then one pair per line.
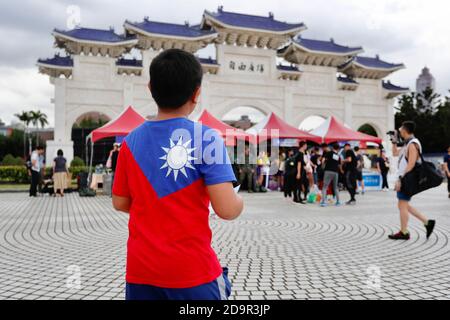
x,y
409,126
39,148
324,145
347,145
302,144
356,149
60,153
174,76
336,146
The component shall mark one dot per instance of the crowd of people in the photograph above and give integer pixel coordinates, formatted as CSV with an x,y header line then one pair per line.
x,y
320,170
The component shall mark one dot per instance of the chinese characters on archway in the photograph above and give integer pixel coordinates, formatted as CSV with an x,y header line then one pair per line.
x,y
249,67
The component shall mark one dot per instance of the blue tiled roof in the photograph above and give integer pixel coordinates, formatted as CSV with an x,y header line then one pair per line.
x,y
346,80
287,68
94,35
253,22
325,46
58,61
171,29
129,63
371,62
392,87
207,61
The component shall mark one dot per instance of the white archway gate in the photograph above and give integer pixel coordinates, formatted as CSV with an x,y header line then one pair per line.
x,y
316,78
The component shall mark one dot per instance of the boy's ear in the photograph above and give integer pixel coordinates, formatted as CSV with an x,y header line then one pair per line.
x,y
196,95
149,86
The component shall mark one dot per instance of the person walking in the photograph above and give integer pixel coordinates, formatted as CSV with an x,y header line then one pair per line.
x,y
447,169
59,174
350,174
408,155
35,170
331,174
383,169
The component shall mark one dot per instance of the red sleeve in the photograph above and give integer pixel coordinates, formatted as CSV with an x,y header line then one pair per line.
x,y
120,187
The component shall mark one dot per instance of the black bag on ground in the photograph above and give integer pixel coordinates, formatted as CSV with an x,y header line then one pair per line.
x,y
86,192
423,177
82,180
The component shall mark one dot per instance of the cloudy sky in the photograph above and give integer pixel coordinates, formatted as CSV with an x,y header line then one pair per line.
x,y
414,32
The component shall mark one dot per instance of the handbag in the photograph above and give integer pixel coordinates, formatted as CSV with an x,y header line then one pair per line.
x,y
423,177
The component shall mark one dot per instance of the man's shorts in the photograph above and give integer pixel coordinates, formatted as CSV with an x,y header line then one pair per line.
x,y
402,196
359,176
219,289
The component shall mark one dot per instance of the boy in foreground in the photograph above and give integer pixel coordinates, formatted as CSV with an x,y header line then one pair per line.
x,y
168,172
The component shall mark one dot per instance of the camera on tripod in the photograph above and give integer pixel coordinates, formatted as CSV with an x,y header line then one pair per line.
x,y
396,138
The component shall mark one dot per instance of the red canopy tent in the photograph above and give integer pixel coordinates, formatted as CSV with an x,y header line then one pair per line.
x,y
273,127
229,133
126,122
334,131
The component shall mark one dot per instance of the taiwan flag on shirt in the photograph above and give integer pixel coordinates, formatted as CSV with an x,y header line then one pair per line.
x,y
165,167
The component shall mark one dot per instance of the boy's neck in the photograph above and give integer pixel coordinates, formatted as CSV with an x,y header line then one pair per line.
x,y
167,116
171,114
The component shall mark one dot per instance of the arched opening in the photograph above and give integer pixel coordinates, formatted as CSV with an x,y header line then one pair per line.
x,y
368,129
243,117
311,123
82,127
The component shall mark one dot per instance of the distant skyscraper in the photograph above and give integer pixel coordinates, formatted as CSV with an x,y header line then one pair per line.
x,y
425,80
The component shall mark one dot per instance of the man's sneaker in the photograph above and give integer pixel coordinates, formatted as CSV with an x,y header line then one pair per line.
x,y
350,203
400,236
338,204
430,227
323,204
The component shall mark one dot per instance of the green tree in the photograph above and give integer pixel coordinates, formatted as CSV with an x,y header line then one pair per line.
x,y
38,119
25,118
431,113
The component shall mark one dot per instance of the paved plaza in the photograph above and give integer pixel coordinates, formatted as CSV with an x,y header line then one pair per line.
x,y
276,250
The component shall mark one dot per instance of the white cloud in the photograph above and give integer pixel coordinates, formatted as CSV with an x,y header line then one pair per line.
x,y
24,89
414,32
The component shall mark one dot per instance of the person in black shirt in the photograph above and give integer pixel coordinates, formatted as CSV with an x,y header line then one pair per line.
x,y
350,164
302,180
315,163
290,174
383,169
114,154
331,175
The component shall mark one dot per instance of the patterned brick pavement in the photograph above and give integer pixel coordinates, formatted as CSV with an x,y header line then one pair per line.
x,y
276,250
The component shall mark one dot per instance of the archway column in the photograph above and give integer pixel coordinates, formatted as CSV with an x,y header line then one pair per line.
x,y
348,111
288,105
60,140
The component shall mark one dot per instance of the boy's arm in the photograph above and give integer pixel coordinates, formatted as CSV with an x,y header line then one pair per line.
x,y
121,198
121,203
225,202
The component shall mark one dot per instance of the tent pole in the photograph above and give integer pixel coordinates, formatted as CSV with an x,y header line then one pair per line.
x,y
90,164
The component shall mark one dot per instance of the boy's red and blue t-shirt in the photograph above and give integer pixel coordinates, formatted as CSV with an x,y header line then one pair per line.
x,y
165,167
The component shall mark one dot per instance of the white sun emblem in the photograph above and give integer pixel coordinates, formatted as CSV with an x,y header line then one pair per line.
x,y
177,158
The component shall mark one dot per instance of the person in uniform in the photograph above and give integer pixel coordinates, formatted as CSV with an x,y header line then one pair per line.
x,y
247,171
290,175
